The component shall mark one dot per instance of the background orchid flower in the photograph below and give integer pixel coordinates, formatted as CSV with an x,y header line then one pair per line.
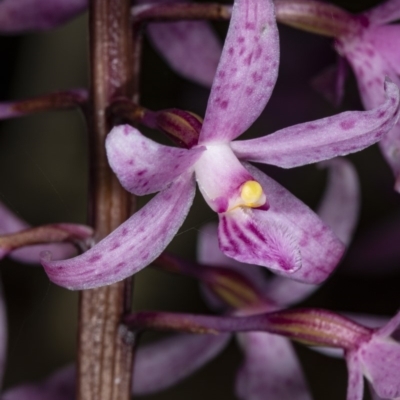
x,y
35,15
372,50
191,48
378,359
260,222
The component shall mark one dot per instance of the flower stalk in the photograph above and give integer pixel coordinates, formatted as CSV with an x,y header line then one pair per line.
x,y
104,347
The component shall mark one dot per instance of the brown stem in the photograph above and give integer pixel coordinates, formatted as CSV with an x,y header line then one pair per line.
x,y
105,348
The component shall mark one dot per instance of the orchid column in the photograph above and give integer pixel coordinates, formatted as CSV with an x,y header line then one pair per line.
x,y
105,349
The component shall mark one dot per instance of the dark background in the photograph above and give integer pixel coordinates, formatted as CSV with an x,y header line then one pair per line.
x,y
43,178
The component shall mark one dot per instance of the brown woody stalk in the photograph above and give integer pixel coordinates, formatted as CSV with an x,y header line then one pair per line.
x,y
105,351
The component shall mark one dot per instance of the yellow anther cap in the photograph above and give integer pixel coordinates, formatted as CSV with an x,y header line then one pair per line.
x,y
251,193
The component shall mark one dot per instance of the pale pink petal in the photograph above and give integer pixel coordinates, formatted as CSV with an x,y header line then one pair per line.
x,y
59,386
167,362
10,223
286,291
384,12
355,385
340,205
18,16
325,138
380,359
246,73
132,246
271,369
385,39
369,67
288,238
191,48
220,176
330,82
209,253
144,166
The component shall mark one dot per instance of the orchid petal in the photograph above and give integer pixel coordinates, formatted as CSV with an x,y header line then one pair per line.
x,y
246,73
355,386
167,362
144,166
330,82
369,67
271,369
385,12
37,15
286,291
59,386
190,48
386,40
288,238
220,176
132,246
339,209
10,223
381,364
325,138
340,205
209,253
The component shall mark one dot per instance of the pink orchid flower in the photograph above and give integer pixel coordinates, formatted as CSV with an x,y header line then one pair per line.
x,y
371,47
260,222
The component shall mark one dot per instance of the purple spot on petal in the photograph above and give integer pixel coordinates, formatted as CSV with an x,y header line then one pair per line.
x,y
348,124
249,91
250,26
231,51
94,258
224,104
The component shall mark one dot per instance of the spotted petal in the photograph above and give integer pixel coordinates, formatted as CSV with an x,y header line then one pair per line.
x,y
381,364
165,363
325,138
246,73
132,246
144,166
18,16
209,253
288,238
271,369
340,205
